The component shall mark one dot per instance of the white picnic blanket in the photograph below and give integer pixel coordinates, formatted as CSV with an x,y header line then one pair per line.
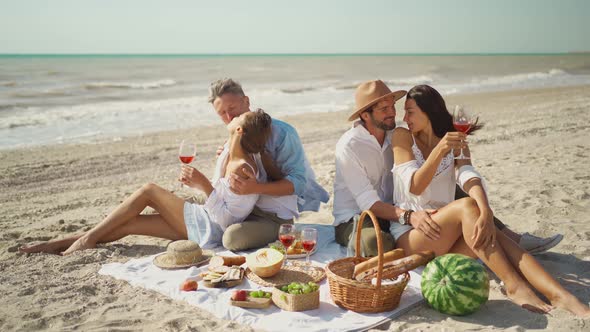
x,y
329,317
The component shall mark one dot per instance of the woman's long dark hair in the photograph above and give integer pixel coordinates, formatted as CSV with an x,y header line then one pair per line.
x,y
433,104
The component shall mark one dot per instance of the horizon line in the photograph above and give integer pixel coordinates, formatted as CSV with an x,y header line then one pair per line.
x,y
293,54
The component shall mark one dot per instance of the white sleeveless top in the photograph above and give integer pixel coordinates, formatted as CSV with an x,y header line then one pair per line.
x,y
285,207
440,191
223,205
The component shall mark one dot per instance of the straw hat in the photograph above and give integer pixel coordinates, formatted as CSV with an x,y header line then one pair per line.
x,y
181,255
371,92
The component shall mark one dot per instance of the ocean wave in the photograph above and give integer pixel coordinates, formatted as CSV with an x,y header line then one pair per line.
x,y
39,94
412,80
297,90
519,78
131,85
415,80
90,113
8,83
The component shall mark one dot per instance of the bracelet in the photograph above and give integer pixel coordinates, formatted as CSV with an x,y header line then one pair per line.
x,y
407,216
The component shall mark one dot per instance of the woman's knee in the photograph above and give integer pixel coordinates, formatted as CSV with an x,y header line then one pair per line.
x,y
148,189
151,192
468,206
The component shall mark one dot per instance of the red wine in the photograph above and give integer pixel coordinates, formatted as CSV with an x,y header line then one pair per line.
x,y
462,127
287,240
308,245
186,159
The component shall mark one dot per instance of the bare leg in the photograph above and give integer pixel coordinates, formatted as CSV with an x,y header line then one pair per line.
x,y
459,193
457,221
150,225
52,246
169,206
539,278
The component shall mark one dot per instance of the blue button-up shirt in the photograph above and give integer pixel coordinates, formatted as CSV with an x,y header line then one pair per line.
x,y
286,150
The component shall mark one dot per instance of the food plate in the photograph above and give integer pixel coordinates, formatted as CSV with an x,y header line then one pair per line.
x,y
253,302
296,271
225,283
303,255
279,246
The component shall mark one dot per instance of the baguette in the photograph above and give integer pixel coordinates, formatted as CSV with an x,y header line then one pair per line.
x,y
374,262
226,261
395,268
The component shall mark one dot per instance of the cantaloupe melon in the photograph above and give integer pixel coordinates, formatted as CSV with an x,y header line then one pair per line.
x,y
265,262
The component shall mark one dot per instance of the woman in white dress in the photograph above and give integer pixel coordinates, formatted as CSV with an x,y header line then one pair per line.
x,y
425,174
176,219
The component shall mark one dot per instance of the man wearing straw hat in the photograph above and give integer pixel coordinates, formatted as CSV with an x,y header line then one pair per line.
x,y
364,159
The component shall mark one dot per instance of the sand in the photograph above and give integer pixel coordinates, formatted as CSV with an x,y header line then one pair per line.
x,y
533,153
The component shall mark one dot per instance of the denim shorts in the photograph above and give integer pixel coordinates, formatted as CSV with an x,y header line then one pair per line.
x,y
397,230
200,228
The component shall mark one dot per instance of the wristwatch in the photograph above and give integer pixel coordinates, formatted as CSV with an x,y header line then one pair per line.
x,y
404,219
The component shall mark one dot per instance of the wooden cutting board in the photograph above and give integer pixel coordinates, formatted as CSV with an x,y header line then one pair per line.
x,y
253,303
224,284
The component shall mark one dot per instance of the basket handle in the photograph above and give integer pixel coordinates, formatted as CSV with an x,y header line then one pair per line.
x,y
359,228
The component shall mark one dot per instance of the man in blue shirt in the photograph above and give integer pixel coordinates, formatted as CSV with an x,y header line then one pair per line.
x,y
291,186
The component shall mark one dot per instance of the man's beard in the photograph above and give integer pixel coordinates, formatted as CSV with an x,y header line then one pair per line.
x,y
381,124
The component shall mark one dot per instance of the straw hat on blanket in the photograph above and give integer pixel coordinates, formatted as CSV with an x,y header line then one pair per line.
x,y
182,254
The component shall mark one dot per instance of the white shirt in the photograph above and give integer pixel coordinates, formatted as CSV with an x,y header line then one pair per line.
x,y
440,191
223,205
363,174
285,207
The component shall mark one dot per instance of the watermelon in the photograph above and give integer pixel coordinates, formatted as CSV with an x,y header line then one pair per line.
x,y
455,284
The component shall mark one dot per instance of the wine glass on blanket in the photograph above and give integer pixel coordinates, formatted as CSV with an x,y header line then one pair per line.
x,y
309,239
287,237
463,121
186,153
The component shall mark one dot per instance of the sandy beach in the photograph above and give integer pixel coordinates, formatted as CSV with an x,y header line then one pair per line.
x,y
533,152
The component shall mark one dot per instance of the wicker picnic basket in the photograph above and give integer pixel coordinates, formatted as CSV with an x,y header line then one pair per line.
x,y
359,296
295,302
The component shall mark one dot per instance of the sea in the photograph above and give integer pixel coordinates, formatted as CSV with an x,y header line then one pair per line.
x,y
57,99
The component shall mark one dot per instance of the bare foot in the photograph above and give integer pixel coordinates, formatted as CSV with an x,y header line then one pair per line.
x,y
80,244
572,304
51,247
526,298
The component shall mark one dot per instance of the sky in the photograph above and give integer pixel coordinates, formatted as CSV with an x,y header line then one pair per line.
x,y
302,26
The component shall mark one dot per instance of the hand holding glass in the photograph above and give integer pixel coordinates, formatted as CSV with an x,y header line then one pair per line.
x,y
463,121
186,153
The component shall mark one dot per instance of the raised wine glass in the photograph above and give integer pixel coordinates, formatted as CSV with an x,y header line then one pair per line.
x,y
309,239
186,153
463,121
287,237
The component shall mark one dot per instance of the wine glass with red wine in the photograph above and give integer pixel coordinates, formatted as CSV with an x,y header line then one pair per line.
x,y
463,121
309,239
186,153
287,237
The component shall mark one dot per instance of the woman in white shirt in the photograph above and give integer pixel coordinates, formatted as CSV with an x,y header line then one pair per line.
x,y
425,174
176,219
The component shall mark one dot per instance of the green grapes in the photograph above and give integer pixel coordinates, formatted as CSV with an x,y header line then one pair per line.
x,y
260,294
300,288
